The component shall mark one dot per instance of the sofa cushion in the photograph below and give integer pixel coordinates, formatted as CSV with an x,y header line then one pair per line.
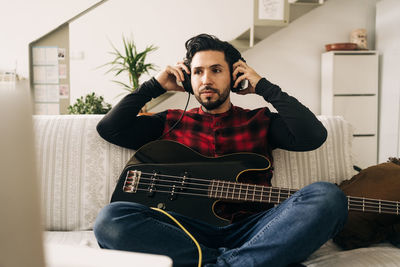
x,y
71,238
382,255
332,162
78,169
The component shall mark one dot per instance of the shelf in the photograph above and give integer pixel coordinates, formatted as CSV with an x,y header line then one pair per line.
x,y
262,28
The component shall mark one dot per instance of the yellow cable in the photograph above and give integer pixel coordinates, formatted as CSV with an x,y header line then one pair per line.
x,y
186,231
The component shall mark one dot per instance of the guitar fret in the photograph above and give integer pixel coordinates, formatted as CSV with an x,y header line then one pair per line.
x,y
217,189
247,191
222,189
379,206
211,189
261,197
270,193
348,202
214,184
279,195
363,204
228,190
233,194
254,192
232,189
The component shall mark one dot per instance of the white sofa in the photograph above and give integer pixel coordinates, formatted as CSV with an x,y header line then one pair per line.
x,y
78,171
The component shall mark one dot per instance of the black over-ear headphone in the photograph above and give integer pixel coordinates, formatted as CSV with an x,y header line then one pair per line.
x,y
187,85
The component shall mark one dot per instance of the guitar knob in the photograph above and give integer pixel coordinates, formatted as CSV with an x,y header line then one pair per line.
x,y
161,206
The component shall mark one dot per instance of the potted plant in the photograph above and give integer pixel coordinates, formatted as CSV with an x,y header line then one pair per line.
x,y
91,104
130,61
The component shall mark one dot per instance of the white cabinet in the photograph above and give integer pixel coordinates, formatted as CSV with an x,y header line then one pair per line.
x,y
350,89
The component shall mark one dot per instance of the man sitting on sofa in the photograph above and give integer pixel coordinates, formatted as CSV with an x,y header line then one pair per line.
x,y
285,234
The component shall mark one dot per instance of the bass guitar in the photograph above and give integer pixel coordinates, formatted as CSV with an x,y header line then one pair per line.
x,y
168,175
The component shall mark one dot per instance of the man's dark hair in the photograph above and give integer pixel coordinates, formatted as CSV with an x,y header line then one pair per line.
x,y
203,42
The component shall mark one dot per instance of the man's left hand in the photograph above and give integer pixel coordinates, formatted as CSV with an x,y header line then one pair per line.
x,y
248,73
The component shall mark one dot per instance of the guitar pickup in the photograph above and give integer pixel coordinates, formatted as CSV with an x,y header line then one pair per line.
x,y
132,181
152,186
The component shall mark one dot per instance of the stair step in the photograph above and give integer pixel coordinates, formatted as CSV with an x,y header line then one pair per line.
x,y
261,29
298,9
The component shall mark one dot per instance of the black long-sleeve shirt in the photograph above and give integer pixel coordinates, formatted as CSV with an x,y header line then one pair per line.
x,y
294,127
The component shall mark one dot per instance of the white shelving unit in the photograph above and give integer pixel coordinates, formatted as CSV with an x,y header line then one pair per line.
x,y
350,89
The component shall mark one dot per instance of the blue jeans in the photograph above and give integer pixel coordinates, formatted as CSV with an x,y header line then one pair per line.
x,y
285,234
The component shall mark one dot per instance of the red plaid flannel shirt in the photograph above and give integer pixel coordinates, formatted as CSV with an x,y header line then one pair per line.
x,y
237,130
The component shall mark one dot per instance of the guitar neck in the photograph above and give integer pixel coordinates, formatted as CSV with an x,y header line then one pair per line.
x,y
248,192
373,205
226,190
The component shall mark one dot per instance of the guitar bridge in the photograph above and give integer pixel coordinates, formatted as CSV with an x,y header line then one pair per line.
x,y
132,181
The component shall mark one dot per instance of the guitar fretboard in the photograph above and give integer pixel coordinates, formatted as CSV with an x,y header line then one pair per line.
x,y
226,190
248,192
373,205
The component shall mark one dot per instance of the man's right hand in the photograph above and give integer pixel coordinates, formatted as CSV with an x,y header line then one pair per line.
x,y
171,76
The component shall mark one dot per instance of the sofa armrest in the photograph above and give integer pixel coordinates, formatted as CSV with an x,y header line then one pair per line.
x,y
77,168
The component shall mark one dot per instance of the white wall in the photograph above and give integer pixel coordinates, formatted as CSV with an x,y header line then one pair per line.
x,y
388,43
23,21
166,24
290,57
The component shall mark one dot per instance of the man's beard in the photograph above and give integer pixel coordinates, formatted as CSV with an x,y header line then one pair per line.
x,y
211,105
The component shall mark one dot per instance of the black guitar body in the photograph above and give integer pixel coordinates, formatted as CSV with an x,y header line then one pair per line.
x,y
171,176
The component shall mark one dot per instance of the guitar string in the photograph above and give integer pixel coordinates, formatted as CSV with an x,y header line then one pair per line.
x,y
207,181
366,209
383,203
282,191
179,187
229,190
395,207
271,195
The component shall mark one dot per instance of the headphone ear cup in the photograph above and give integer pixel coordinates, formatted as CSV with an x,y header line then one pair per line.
x,y
187,85
243,84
